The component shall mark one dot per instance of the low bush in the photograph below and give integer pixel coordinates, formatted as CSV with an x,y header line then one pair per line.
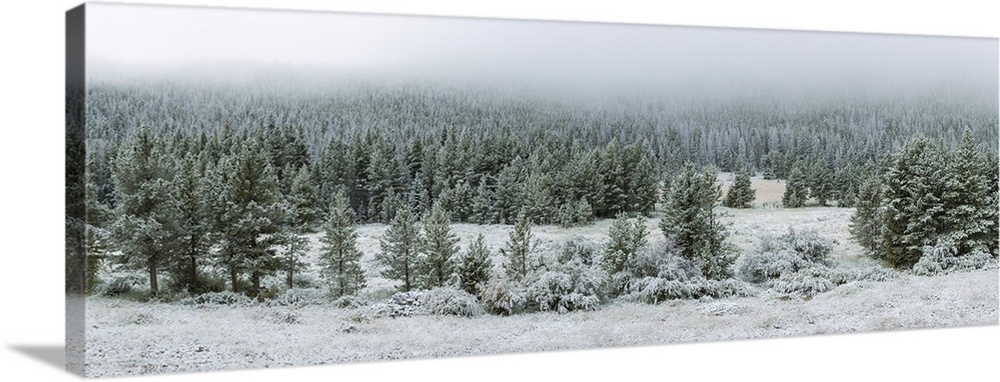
x,y
122,285
298,297
806,282
500,296
222,298
449,301
401,304
943,258
570,280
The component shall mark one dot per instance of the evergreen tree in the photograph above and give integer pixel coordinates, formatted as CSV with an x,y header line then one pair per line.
x,y
509,193
519,246
340,257
302,199
292,250
473,266
253,215
439,248
796,189
194,225
913,209
146,226
820,184
625,237
970,211
689,220
866,222
539,198
400,249
98,239
482,200
740,194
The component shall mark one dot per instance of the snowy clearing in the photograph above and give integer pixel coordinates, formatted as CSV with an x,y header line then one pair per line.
x,y
129,338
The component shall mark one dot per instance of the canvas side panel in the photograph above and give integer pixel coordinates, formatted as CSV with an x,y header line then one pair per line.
x,y
76,212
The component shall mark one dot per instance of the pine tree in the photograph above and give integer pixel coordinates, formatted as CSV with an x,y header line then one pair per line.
x,y
866,222
438,247
519,246
340,257
689,220
740,194
145,229
473,266
400,249
253,215
539,199
820,184
98,239
796,189
482,200
292,250
625,237
302,199
194,225
509,193
970,214
913,210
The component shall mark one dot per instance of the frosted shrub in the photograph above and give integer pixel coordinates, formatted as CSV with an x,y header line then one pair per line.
x,y
807,283
297,297
122,285
450,301
660,260
569,281
875,274
722,288
222,298
653,290
402,304
758,267
943,258
500,296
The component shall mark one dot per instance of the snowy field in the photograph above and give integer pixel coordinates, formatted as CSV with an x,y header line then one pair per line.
x,y
127,337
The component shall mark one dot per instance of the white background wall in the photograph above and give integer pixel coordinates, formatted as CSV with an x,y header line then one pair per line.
x,y
31,193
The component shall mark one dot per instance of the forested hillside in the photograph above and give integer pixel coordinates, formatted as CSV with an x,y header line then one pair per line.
x,y
183,178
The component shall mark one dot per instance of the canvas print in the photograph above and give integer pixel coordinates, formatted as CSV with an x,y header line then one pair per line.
x,y
257,188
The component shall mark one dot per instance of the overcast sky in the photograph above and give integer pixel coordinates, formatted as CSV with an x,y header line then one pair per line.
x,y
158,37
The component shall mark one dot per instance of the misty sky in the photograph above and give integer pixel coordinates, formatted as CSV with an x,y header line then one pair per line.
x,y
158,37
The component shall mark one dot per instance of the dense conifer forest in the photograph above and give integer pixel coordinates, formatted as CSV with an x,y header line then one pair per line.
x,y
215,184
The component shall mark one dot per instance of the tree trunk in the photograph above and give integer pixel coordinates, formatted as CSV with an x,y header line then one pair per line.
x,y
255,279
232,278
153,285
288,280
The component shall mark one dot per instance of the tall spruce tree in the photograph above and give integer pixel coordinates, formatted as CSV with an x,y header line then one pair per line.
x,y
913,210
866,223
689,220
146,227
741,194
253,214
192,195
401,249
302,200
970,211
340,257
796,189
439,248
820,182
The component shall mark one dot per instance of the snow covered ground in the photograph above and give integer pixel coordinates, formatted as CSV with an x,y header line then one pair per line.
x,y
126,337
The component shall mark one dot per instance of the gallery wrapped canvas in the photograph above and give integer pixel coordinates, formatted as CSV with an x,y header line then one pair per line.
x,y
258,188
